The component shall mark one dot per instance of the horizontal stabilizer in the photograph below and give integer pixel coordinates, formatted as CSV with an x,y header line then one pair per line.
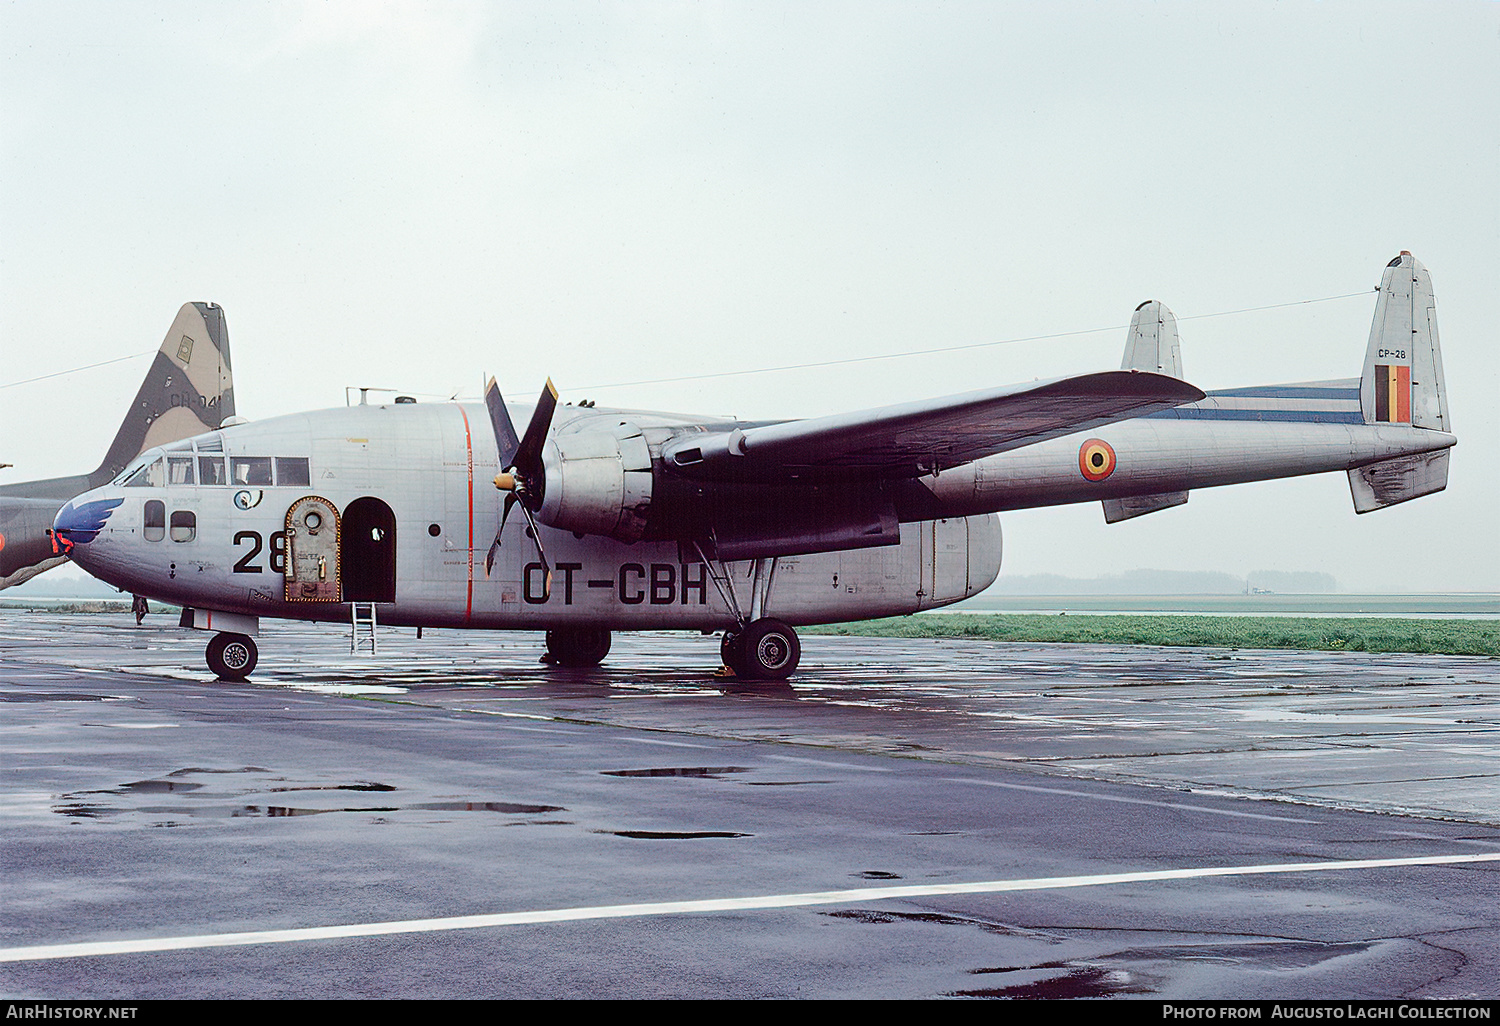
x,y
1378,485
1116,510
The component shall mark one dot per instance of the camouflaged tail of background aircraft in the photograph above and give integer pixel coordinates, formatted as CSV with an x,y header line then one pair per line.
x,y
189,389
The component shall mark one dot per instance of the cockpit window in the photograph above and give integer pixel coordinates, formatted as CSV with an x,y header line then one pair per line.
x,y
179,470
184,525
152,475
154,520
211,470
250,470
292,470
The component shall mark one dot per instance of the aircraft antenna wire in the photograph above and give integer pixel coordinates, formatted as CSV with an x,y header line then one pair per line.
x,y
954,349
75,370
792,366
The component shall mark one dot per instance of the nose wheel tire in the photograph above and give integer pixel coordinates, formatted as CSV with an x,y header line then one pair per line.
x,y
231,656
766,649
577,647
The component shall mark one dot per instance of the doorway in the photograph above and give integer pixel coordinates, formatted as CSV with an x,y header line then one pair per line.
x,y
367,543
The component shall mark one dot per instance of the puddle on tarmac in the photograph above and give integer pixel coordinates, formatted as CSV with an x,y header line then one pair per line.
x,y
200,769
1089,981
875,874
509,808
784,783
876,916
54,696
147,787
79,805
711,772
362,786
1275,954
672,835
276,811
80,811
84,811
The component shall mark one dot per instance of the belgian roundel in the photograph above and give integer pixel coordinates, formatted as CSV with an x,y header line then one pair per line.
x,y
1096,459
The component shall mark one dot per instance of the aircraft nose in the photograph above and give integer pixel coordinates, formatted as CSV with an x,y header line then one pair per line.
x,y
79,523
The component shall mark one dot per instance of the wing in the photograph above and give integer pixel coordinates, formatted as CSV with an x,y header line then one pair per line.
x,y
916,438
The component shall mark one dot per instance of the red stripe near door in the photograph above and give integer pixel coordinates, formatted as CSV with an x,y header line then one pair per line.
x,y
469,449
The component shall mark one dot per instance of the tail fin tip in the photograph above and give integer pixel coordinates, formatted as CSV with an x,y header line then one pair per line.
x,y
1402,381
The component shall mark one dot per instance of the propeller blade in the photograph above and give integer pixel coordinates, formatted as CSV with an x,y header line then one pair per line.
x,y
541,553
489,560
505,432
528,459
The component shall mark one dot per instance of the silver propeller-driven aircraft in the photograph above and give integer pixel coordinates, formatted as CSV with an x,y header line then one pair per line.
x,y
188,390
636,520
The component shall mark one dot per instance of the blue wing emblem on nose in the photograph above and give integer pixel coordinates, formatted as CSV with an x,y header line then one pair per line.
x,y
79,525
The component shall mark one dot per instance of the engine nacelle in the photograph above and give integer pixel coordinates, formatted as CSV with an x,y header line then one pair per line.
x,y
598,482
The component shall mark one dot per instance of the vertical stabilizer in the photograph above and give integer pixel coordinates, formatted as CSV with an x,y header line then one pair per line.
x,y
1402,381
188,390
1152,343
1402,384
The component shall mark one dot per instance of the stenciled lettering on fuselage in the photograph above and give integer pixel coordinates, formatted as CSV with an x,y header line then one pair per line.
x,y
630,584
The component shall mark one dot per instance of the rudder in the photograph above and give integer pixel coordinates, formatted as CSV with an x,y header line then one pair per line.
x,y
188,390
1402,381
1402,384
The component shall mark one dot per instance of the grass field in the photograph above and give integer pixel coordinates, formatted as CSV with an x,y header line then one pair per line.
x,y
1329,634
1326,633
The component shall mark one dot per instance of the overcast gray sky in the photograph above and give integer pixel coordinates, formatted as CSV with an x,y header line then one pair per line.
x,y
414,195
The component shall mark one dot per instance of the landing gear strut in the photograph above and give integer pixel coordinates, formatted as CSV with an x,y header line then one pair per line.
x,y
577,647
765,649
231,656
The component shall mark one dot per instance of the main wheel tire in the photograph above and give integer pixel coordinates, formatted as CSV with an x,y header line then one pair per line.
x,y
578,647
769,650
231,656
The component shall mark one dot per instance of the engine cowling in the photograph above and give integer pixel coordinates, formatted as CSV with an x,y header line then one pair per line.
x,y
598,482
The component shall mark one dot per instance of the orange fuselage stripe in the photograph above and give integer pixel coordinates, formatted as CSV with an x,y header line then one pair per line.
x,y
469,450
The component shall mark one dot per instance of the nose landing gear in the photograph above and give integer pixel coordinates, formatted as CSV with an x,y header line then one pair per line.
x,y
231,656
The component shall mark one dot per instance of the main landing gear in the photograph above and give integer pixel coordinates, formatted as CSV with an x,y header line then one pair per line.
x,y
764,649
231,656
577,647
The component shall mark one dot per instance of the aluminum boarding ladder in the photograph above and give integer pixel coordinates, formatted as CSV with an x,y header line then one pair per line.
x,y
356,621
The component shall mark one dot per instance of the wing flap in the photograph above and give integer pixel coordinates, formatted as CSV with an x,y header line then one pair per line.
x,y
914,438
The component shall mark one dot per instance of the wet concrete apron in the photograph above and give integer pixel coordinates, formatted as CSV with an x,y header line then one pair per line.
x,y
456,775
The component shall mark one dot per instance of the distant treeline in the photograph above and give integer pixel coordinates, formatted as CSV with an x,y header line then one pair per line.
x,y
1328,634
1168,582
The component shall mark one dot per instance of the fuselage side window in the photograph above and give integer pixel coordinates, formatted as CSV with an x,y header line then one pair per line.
x,y
179,470
292,470
184,525
154,520
211,470
152,475
250,470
